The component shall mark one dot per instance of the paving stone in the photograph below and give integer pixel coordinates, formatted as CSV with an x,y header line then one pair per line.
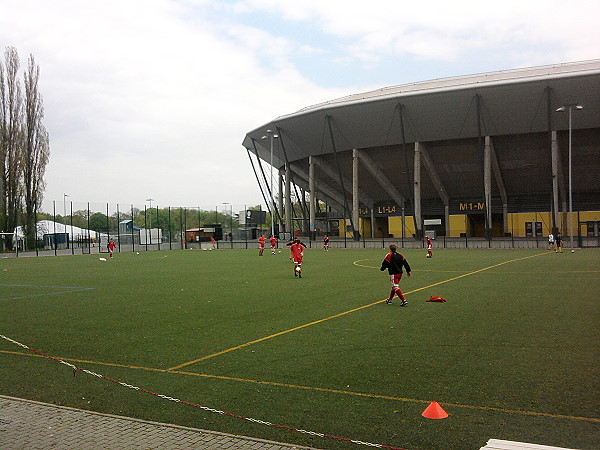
x,y
25,424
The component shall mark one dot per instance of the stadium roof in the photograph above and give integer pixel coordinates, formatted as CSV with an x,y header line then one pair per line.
x,y
511,102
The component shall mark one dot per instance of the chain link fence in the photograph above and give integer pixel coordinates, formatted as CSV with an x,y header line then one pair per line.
x,y
85,228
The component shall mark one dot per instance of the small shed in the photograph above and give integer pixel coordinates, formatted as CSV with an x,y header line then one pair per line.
x,y
199,234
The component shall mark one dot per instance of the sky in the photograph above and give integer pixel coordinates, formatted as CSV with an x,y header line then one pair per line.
x,y
152,98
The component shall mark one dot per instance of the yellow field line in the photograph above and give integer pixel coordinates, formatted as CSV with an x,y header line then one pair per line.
x,y
320,389
271,336
125,366
390,397
281,333
356,263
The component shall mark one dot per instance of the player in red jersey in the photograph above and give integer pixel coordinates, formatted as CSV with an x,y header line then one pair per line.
x,y
296,254
429,247
394,262
261,244
273,240
326,243
111,247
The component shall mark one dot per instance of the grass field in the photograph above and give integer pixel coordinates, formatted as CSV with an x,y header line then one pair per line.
x,y
513,354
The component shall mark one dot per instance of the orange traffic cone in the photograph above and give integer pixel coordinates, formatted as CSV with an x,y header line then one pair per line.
x,y
434,411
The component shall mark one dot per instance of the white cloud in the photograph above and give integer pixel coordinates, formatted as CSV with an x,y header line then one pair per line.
x,y
447,30
153,97
141,99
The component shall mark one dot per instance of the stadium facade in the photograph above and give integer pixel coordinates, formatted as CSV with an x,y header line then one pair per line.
x,y
508,153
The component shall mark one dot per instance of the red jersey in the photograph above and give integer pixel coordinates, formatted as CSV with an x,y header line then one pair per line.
x,y
428,241
296,250
394,262
273,241
261,242
111,246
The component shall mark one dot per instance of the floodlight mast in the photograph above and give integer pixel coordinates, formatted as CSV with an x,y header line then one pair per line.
x,y
569,107
150,200
65,208
272,136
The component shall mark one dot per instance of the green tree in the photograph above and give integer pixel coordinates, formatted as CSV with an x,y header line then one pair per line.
x,y
24,146
98,222
11,141
36,151
80,218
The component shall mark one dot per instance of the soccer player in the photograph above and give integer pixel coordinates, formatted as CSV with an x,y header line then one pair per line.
x,y
296,254
550,241
261,244
326,243
558,243
273,240
213,242
429,247
111,247
394,262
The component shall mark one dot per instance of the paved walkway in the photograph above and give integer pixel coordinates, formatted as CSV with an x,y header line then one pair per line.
x,y
26,424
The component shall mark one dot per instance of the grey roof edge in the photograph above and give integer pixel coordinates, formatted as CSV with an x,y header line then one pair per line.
x,y
439,85
528,74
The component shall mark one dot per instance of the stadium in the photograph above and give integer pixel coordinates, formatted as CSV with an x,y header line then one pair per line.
x,y
494,156
231,343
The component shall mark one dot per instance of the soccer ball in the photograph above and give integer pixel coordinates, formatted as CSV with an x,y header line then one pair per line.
x,y
572,251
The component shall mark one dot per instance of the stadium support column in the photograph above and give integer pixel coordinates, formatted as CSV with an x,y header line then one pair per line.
x,y
482,150
437,183
288,199
341,177
355,215
313,196
386,184
499,183
487,184
417,193
327,194
330,171
305,228
280,203
373,221
554,182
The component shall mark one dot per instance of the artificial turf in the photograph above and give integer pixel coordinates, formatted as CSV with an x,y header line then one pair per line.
x,y
512,354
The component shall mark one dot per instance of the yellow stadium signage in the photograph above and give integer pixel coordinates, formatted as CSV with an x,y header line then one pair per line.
x,y
471,206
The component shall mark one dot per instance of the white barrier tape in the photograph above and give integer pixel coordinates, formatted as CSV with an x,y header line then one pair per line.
x,y
205,408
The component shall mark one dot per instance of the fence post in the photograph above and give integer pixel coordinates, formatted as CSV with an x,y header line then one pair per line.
x,y
132,236
118,228
89,231
157,227
72,237
146,226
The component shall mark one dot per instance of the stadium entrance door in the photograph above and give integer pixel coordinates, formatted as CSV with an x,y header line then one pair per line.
x,y
476,225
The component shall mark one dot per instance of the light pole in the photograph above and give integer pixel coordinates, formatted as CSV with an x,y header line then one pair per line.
x,y
150,200
271,135
225,207
230,220
65,210
65,205
564,108
150,215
